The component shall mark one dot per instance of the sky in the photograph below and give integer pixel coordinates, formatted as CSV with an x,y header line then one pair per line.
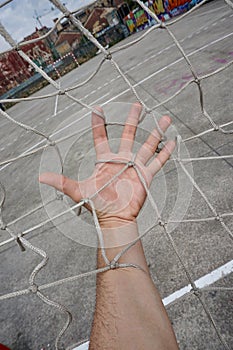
x,y
19,16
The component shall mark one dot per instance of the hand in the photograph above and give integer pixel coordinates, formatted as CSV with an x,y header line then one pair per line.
x,y
122,199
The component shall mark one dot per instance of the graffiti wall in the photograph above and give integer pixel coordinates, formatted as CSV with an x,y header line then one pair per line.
x,y
14,70
139,19
39,53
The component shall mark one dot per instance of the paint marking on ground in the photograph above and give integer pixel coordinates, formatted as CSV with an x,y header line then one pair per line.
x,y
135,85
202,282
58,131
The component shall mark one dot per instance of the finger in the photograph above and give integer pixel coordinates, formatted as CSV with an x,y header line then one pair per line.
x,y
63,184
161,158
149,147
128,134
99,133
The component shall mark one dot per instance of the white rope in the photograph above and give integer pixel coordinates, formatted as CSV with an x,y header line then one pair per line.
x,y
19,238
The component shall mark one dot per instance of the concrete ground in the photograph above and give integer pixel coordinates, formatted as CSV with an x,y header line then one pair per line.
x,y
155,67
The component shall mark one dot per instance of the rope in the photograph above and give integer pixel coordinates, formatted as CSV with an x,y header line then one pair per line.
x,y
49,140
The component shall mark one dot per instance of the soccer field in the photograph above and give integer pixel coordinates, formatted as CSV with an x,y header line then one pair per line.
x,y
194,196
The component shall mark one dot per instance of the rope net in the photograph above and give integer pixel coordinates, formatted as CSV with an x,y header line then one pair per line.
x,y
13,231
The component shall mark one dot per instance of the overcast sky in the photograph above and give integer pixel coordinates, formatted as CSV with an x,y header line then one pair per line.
x,y
18,17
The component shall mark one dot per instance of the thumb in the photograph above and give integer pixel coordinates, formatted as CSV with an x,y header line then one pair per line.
x,y
63,184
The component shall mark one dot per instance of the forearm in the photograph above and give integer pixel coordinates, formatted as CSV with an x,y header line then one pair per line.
x,y
116,239
129,313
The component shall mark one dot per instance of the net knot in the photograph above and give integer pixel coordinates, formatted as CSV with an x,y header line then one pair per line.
x,y
18,241
216,127
131,163
196,291
159,148
114,265
16,47
51,142
108,56
163,138
219,218
61,92
67,13
85,200
33,288
3,226
162,223
148,110
162,25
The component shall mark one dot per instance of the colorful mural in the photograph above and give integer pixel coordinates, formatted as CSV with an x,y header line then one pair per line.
x,y
176,7
14,70
139,19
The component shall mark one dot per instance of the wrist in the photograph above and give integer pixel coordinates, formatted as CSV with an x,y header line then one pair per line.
x,y
117,236
118,233
115,222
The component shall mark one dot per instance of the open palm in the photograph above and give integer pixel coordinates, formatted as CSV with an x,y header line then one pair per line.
x,y
115,187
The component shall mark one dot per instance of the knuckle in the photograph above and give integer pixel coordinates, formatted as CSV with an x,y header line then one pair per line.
x,y
129,130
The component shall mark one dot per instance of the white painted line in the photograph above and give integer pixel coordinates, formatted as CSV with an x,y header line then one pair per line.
x,y
78,120
135,85
210,11
180,59
83,346
167,48
118,76
56,104
168,66
202,282
58,131
214,24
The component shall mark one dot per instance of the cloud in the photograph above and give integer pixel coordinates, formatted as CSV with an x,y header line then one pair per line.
x,y
19,17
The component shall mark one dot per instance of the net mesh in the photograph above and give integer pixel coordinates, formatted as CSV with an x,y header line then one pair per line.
x,y
195,288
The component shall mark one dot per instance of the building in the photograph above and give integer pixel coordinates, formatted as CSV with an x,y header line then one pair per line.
x,y
41,52
101,18
67,41
14,70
